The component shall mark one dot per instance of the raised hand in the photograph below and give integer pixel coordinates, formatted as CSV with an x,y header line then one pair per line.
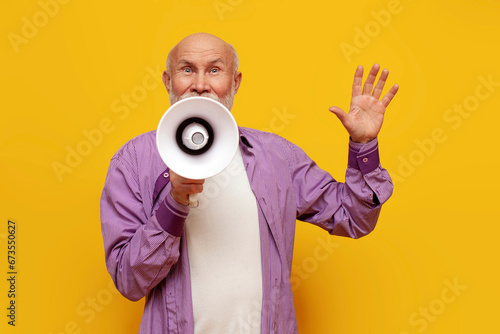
x,y
366,114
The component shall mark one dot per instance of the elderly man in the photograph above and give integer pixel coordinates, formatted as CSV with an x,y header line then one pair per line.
x,y
224,267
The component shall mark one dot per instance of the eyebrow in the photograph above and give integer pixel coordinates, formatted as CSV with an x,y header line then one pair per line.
x,y
218,60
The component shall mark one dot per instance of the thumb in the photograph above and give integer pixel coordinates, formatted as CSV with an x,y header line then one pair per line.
x,y
342,116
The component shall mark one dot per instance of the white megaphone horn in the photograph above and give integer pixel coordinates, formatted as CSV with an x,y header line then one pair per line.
x,y
197,138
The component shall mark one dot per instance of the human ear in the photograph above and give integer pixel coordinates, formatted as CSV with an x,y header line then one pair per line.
x,y
237,81
166,80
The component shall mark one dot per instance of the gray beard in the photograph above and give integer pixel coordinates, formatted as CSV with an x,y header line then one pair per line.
x,y
227,101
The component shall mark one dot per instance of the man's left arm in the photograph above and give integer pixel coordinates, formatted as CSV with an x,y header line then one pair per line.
x,y
350,209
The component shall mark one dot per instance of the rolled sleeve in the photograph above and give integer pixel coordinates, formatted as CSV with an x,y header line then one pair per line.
x,y
171,215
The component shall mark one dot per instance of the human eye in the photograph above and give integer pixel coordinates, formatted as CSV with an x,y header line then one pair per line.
x,y
214,70
187,69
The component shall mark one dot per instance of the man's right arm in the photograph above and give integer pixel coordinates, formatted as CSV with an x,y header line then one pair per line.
x,y
139,250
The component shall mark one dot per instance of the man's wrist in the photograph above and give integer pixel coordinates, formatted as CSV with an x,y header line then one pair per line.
x,y
171,216
179,200
361,141
364,157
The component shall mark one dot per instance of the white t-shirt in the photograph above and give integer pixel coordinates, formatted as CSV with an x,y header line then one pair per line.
x,y
223,245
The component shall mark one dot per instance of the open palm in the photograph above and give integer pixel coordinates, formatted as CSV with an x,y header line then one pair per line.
x,y
366,114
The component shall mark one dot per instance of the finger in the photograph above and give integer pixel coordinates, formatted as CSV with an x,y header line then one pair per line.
x,y
192,188
181,186
358,79
187,189
388,97
181,194
184,189
182,180
380,84
367,88
191,181
342,116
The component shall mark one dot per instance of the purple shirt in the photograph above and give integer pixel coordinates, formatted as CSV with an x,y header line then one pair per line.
x,y
143,226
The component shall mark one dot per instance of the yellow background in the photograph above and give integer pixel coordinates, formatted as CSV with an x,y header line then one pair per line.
x,y
66,77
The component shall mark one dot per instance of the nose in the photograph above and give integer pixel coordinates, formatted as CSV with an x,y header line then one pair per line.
x,y
200,84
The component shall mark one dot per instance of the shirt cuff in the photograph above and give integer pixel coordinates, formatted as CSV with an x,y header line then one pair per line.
x,y
364,157
171,216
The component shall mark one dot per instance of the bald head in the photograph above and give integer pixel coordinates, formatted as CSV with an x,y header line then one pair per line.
x,y
202,42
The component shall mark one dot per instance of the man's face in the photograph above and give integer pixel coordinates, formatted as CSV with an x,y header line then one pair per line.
x,y
202,65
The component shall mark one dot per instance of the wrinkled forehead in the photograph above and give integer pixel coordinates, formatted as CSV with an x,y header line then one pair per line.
x,y
202,47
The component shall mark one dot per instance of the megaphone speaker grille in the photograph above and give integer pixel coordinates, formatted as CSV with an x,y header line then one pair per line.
x,y
182,127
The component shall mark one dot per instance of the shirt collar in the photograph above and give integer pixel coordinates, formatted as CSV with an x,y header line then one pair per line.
x,y
243,139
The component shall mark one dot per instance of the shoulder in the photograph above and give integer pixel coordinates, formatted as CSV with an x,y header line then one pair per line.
x,y
139,155
264,139
139,160
273,148
143,144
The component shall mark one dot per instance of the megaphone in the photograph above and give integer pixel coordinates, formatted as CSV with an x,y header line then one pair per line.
x,y
197,138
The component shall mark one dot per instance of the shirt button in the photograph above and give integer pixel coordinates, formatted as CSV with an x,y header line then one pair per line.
x,y
166,175
365,160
